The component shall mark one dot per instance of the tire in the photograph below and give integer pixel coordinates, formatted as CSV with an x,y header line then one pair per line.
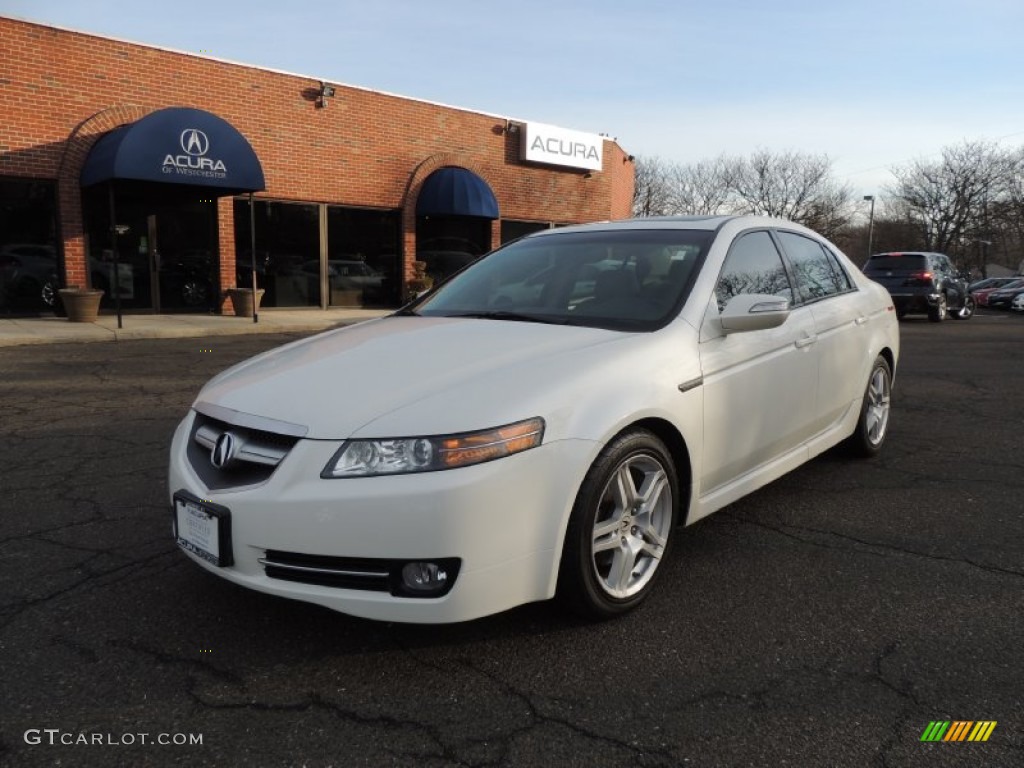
x,y
938,313
966,312
873,423
620,529
195,293
48,294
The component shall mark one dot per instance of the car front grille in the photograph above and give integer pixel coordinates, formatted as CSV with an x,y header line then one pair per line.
x,y
248,457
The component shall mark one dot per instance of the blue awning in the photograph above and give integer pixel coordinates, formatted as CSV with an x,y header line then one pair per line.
x,y
453,191
177,145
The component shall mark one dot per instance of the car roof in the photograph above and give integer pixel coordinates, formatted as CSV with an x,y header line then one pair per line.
x,y
709,223
897,254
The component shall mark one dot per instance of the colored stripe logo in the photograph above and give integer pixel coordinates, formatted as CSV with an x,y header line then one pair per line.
x,y
958,730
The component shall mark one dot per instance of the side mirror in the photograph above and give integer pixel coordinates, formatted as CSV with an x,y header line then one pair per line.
x,y
754,312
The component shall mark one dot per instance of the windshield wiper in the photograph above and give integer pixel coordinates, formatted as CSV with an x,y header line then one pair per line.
x,y
406,313
515,316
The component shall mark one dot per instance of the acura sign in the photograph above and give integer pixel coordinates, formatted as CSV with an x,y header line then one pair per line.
x,y
195,144
558,146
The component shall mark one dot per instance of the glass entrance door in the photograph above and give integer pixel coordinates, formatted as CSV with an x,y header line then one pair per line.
x,y
168,248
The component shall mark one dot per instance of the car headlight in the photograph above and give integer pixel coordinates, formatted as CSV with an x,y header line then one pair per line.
x,y
401,455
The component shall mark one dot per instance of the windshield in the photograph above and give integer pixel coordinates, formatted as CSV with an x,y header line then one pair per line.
x,y
632,280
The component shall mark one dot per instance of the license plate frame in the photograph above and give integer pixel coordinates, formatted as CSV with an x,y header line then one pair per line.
x,y
203,528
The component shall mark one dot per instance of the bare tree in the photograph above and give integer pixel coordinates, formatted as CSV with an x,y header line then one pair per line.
x,y
949,199
790,185
1008,213
699,188
651,188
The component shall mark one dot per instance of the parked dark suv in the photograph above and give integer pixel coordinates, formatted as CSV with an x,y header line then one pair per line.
x,y
922,282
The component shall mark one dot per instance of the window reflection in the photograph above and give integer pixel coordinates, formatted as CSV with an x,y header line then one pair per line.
x,y
28,253
364,261
287,240
627,280
815,276
753,266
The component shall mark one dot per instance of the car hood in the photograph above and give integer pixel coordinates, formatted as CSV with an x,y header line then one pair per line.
x,y
443,374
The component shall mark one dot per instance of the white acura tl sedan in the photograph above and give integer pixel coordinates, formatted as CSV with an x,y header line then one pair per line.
x,y
542,423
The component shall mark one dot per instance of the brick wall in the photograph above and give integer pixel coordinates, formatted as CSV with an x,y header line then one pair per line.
x,y
61,90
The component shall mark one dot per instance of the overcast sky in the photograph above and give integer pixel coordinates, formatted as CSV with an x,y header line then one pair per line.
x,y
871,84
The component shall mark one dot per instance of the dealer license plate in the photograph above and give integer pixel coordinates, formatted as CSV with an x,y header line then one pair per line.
x,y
203,528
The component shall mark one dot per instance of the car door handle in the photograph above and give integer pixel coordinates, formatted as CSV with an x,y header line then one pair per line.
x,y
861,320
805,342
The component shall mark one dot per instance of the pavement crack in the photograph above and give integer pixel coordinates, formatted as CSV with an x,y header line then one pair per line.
x,y
165,657
313,701
10,611
788,530
643,754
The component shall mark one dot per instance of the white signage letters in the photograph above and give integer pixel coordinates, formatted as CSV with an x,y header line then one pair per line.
x,y
559,146
195,145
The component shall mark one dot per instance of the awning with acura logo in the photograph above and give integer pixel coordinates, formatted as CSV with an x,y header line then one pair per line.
x,y
177,145
452,191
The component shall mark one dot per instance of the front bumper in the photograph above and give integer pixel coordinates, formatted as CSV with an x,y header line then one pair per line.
x,y
503,520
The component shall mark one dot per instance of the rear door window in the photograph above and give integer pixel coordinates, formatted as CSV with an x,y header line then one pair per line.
x,y
814,273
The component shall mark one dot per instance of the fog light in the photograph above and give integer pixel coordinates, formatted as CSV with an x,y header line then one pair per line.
x,y
424,578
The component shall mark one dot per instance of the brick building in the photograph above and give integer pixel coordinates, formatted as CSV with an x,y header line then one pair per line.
x,y
346,187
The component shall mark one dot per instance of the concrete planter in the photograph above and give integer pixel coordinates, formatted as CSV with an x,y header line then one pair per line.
x,y
81,304
241,300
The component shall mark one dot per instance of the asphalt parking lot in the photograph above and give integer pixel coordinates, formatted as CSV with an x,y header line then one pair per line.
x,y
825,620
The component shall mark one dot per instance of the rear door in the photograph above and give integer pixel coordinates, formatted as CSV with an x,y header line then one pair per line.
x,y
839,320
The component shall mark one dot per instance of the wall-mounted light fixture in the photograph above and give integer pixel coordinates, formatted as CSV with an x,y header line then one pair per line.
x,y
326,92
511,128
629,159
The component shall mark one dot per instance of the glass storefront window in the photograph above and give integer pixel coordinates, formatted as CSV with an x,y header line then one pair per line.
x,y
448,243
512,230
364,265
287,252
29,272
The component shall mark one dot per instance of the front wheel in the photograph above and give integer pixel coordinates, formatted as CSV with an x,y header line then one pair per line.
x,y
620,527
873,424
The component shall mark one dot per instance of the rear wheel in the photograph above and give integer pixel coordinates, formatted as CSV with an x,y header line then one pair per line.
x,y
937,313
873,424
965,312
620,527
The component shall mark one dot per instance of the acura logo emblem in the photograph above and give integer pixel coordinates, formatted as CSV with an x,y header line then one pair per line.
x,y
224,450
194,142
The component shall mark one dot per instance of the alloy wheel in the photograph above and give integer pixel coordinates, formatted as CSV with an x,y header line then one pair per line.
x,y
879,395
632,525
